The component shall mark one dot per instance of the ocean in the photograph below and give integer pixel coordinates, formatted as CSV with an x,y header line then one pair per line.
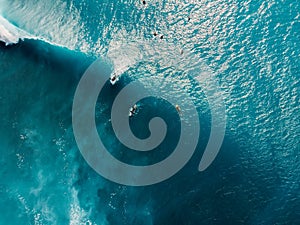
x,y
245,52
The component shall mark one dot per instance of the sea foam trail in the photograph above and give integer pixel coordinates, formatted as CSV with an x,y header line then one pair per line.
x,y
10,34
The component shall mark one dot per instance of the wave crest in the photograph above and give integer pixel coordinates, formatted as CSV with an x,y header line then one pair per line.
x,y
10,34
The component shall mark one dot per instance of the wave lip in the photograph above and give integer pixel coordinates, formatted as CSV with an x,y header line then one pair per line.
x,y
10,34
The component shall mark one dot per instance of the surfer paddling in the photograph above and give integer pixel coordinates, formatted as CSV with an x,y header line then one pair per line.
x,y
132,110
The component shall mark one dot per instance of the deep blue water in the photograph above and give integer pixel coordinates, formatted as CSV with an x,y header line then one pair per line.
x,y
250,48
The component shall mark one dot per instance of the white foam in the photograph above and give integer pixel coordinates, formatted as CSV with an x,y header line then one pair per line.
x,y
53,22
79,215
10,34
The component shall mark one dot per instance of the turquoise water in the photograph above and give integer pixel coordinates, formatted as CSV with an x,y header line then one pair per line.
x,y
250,48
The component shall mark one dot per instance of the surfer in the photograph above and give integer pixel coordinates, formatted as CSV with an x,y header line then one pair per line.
x,y
132,110
113,79
178,108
